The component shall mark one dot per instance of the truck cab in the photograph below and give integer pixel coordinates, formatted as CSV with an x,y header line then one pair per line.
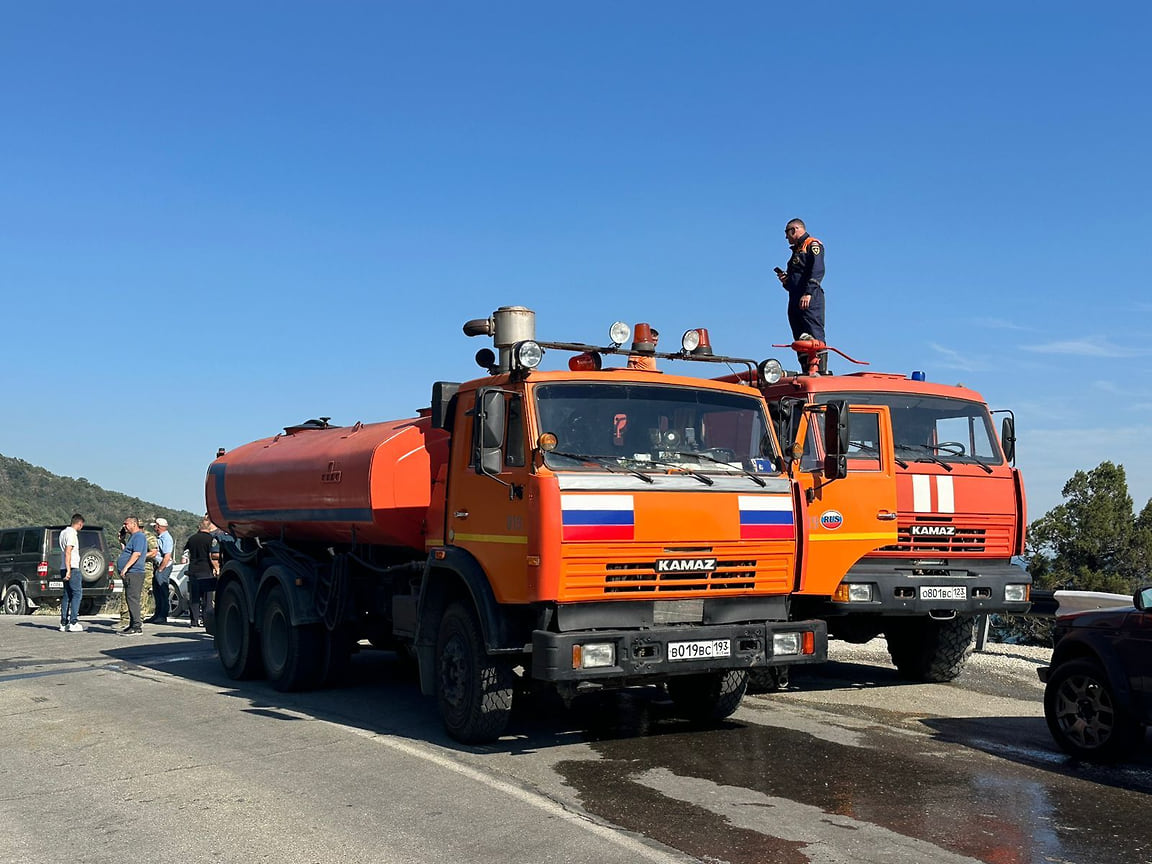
x,y
960,517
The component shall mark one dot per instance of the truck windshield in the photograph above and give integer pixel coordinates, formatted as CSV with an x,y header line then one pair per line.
x,y
933,428
652,426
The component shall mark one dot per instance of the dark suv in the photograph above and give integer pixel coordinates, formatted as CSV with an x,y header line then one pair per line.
x,y
1098,693
30,568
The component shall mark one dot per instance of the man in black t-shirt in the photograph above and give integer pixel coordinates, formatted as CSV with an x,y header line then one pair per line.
x,y
203,567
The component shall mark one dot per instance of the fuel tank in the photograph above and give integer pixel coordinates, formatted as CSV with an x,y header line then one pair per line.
x,y
367,483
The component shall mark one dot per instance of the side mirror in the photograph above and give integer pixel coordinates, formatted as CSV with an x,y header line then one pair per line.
x,y
488,431
836,440
1008,439
1142,599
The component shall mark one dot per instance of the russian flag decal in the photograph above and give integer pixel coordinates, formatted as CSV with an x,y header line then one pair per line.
x,y
766,517
598,517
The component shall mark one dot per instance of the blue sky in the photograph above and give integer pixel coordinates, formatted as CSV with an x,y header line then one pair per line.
x,y
217,219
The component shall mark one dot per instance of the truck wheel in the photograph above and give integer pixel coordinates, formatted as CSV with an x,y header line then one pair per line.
x,y
293,654
768,679
93,566
1084,716
924,649
236,642
15,601
474,690
708,697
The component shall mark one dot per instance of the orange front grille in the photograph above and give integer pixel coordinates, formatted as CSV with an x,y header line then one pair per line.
x,y
619,571
972,536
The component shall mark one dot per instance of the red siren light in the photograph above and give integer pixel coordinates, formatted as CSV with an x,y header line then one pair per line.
x,y
586,362
705,346
644,339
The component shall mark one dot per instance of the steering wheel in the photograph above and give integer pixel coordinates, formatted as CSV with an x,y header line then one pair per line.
x,y
953,447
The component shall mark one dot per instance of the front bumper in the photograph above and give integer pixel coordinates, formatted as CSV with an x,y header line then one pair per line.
x,y
896,584
642,655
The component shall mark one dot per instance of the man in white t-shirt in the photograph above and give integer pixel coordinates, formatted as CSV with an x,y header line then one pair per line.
x,y
70,572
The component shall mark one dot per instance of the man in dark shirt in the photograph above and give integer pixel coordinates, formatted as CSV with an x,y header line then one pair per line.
x,y
203,550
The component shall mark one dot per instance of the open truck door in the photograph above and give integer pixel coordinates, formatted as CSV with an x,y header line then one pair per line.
x,y
846,513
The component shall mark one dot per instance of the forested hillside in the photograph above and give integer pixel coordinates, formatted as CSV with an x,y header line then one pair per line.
x,y
30,495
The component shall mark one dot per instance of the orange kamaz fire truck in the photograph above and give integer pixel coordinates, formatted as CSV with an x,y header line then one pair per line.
x,y
960,513
583,528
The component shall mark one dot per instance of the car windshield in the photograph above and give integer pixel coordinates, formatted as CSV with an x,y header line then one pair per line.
x,y
933,428
654,427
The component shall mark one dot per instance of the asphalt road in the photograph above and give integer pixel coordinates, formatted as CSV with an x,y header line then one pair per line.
x,y
133,749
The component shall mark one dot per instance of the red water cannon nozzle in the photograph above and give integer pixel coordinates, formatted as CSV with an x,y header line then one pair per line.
x,y
809,351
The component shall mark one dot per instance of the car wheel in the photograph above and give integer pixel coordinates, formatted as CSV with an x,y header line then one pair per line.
x,y
15,601
1084,715
176,604
88,605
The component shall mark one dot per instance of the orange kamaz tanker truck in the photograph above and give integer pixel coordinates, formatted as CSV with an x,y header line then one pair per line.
x,y
960,514
587,528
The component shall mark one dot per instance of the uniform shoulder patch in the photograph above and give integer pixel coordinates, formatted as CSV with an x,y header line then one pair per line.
x,y
815,249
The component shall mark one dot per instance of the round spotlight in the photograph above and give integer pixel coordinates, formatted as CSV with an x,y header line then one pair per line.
x,y
770,371
547,442
528,354
690,341
619,333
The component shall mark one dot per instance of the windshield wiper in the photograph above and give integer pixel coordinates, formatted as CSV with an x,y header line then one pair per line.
x,y
928,457
868,448
740,468
613,467
703,478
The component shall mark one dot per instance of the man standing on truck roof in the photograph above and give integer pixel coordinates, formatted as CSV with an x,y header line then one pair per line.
x,y
802,282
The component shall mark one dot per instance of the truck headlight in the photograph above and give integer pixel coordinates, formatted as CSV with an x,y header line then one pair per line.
x,y
785,643
594,655
850,592
1015,593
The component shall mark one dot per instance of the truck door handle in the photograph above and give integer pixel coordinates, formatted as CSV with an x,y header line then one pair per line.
x,y
885,516
461,514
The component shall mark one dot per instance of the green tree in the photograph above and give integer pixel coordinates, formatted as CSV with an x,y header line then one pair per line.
x,y
1093,541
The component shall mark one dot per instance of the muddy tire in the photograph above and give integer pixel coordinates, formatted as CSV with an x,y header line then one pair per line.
x,y
474,690
236,641
924,649
1084,715
709,697
768,679
293,654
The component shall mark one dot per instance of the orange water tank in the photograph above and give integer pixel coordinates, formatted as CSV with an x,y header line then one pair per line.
x,y
368,483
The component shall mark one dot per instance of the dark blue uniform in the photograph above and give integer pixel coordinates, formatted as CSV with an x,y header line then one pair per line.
x,y
805,270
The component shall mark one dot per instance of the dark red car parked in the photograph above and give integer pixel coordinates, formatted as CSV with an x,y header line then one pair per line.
x,y
1098,694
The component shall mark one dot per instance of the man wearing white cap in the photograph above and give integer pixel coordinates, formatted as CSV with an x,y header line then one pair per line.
x,y
162,572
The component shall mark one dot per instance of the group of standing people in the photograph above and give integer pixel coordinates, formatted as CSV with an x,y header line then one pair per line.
x,y
142,554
